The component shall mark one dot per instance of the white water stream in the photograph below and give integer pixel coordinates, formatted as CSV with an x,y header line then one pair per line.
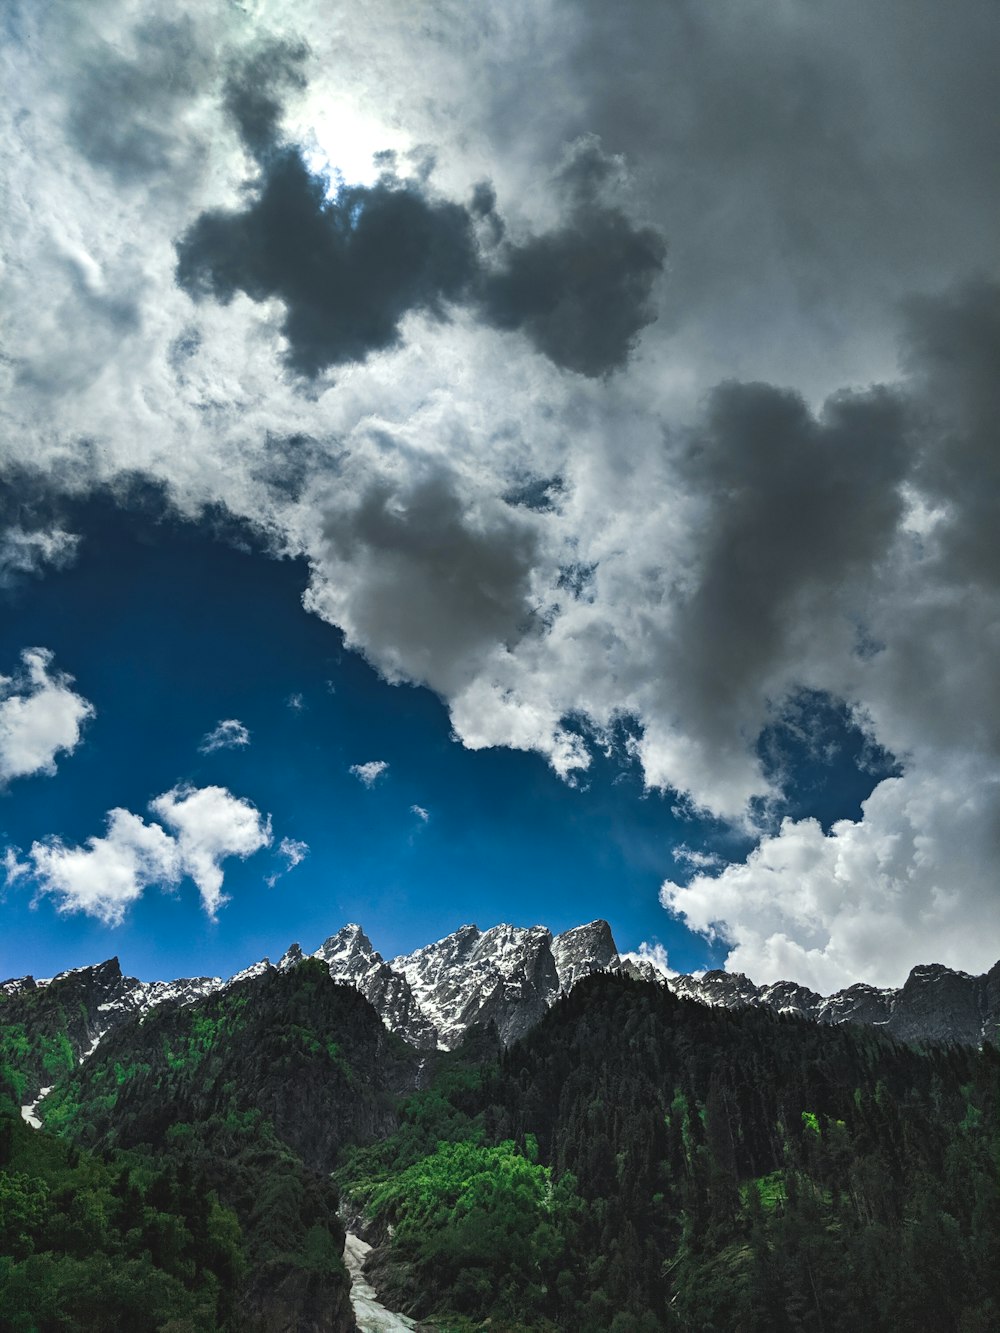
x,y
28,1112
371,1314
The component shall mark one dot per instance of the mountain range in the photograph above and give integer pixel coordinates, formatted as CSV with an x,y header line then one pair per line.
x,y
510,976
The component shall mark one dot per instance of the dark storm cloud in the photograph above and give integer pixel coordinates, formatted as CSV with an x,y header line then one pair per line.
x,y
347,268
810,163
795,505
954,358
349,264
580,293
124,105
255,92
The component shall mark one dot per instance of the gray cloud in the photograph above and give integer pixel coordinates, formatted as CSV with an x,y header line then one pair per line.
x,y
127,100
347,268
792,508
425,580
256,88
348,263
953,344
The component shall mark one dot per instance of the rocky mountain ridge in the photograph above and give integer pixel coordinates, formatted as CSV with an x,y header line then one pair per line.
x,y
510,976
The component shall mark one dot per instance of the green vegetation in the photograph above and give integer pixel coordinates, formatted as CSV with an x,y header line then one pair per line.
x,y
706,1170
92,1243
637,1163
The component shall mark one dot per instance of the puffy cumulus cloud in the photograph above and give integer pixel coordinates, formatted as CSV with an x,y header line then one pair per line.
x,y
368,774
427,575
913,881
229,734
41,716
105,876
210,824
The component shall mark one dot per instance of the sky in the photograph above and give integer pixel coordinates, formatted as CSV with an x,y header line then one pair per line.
x,y
526,463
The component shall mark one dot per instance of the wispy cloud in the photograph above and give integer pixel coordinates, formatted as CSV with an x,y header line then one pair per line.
x,y
294,853
370,772
229,734
422,814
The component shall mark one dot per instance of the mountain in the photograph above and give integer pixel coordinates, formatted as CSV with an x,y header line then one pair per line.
x,y
640,1162
935,1003
508,976
254,1088
636,1161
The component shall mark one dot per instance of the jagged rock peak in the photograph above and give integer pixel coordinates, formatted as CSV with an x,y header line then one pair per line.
x,y
292,956
349,943
583,950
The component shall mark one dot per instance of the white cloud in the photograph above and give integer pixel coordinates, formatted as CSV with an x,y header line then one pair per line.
x,y
370,772
229,734
24,552
41,716
211,824
913,881
13,867
294,852
296,702
106,875
422,814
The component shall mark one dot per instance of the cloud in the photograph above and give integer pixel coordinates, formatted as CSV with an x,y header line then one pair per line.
x,y
913,881
346,268
580,292
734,527
229,734
348,262
294,853
255,91
296,702
369,773
14,868
422,814
105,876
25,552
209,825
41,716
150,75
422,573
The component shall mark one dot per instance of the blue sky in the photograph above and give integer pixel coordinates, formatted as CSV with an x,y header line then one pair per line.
x,y
618,384
169,626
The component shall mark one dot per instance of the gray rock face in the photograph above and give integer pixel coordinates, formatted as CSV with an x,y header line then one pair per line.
x,y
934,1004
352,959
583,950
506,975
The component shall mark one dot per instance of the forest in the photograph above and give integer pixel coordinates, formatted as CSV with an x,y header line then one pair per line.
x,y
637,1162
